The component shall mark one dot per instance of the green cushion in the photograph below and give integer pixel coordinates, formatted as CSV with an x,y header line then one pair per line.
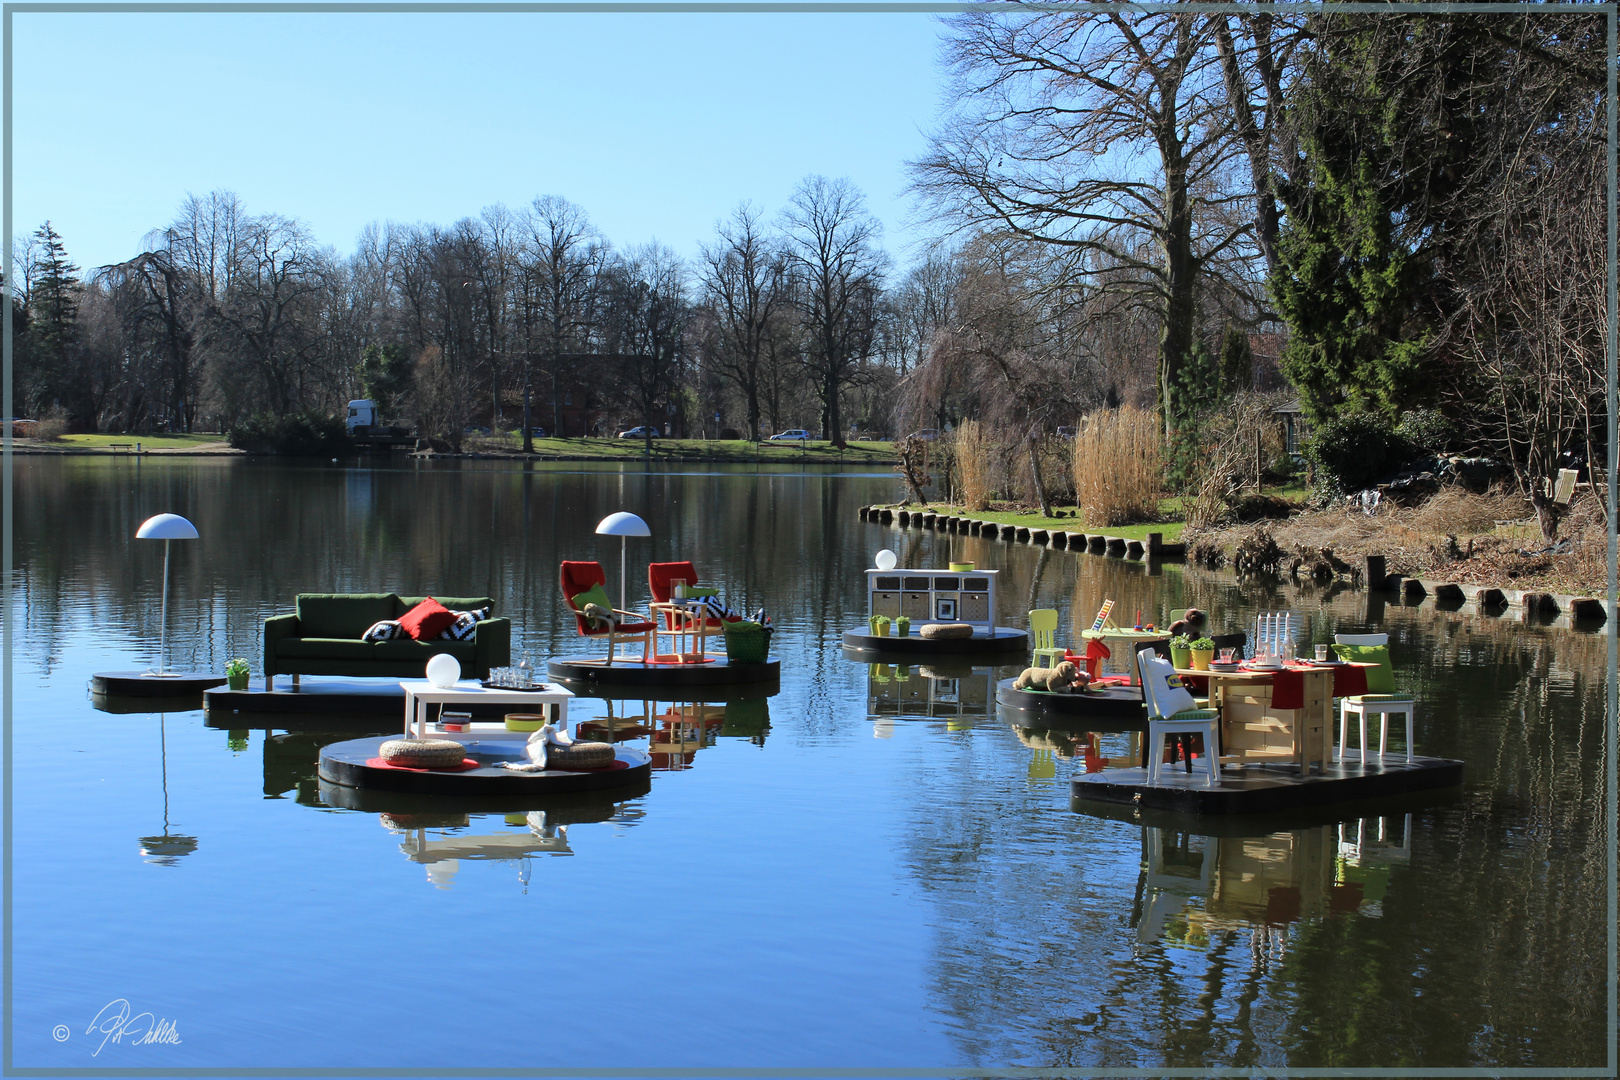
x,y
406,649
454,603
1196,714
593,595
1380,679
343,615
315,648
1367,699
695,593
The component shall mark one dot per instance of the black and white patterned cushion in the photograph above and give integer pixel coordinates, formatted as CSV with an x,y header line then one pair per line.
x,y
387,630
465,626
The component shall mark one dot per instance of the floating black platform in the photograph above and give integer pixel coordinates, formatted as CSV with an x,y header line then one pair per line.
x,y
589,675
171,684
448,811
1002,643
1119,708
354,763
326,698
142,703
1302,817
1265,789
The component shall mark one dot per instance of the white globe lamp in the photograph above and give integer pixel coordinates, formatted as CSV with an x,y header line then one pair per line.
x,y
165,527
885,559
443,671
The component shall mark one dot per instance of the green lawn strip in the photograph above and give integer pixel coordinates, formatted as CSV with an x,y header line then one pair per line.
x,y
147,442
696,450
1171,530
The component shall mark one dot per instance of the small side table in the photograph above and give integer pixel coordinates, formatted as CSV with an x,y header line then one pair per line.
x,y
683,625
420,693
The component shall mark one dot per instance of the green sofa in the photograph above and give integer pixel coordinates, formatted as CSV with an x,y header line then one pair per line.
x,y
322,637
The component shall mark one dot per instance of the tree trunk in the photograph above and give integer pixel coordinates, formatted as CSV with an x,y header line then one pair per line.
x,y
1035,473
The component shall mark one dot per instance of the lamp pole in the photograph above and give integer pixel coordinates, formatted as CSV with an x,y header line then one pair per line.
x,y
165,527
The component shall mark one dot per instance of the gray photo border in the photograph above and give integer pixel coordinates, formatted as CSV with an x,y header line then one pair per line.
x,y
1611,9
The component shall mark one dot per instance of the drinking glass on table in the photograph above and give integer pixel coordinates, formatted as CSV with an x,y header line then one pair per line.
x,y
677,588
1321,652
1227,656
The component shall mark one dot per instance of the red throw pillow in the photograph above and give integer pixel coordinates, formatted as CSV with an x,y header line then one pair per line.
x,y
427,620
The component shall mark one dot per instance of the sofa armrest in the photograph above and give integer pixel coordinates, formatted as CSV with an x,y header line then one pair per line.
x,y
277,627
492,646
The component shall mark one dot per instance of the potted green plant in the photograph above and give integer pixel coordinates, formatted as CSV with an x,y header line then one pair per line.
x,y
880,625
1203,651
236,673
902,626
1181,651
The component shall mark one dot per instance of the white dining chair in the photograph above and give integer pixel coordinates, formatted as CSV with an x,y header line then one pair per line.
x,y
1171,711
1381,705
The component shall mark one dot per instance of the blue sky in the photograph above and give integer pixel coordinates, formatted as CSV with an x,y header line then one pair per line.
x,y
657,124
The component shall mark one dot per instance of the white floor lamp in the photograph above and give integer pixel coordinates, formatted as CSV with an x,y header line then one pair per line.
x,y
623,525
165,527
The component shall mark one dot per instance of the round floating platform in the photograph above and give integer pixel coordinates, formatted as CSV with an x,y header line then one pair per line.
x,y
355,764
1120,707
171,684
446,811
142,703
585,674
1002,642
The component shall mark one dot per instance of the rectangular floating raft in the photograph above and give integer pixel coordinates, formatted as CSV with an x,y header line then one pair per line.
x,y
1266,788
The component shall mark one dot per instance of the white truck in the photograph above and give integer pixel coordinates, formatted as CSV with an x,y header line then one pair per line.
x,y
362,417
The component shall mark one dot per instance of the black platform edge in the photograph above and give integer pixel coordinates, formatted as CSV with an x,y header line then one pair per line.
x,y
1265,789
1303,817
448,811
1120,706
139,684
584,673
124,705
1003,643
334,699
344,763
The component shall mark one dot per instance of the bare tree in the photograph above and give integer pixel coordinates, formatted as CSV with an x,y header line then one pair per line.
x,y
742,278
833,245
562,257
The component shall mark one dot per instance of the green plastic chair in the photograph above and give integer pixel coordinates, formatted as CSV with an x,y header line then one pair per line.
x,y
1043,626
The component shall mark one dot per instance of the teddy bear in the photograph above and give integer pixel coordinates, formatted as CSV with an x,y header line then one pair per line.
x,y
1066,678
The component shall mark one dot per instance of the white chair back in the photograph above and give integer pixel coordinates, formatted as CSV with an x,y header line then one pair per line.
x,y
1361,639
1161,686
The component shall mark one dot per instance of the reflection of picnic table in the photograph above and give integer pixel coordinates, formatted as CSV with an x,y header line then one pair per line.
x,y
1129,640
1285,712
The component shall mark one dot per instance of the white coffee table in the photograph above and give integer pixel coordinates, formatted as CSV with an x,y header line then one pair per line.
x,y
420,693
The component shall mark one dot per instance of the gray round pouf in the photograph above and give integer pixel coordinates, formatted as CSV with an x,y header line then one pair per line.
x,y
423,753
945,631
582,755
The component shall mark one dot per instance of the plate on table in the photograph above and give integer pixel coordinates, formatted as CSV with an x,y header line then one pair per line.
x,y
1314,662
532,688
1215,665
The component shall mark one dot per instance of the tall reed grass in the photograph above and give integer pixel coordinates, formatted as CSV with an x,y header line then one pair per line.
x,y
975,464
1118,466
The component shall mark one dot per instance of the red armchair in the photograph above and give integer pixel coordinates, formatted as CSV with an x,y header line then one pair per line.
x,y
659,576
579,577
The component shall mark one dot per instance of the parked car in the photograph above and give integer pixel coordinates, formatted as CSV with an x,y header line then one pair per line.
x,y
538,432
475,429
642,432
926,434
792,434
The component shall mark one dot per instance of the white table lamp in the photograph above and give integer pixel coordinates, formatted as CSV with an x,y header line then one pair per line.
x,y
623,525
165,527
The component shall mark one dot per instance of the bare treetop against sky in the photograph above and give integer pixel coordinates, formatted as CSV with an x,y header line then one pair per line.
x,y
657,125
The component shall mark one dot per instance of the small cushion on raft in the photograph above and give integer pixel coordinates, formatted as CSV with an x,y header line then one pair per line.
x,y
423,753
944,631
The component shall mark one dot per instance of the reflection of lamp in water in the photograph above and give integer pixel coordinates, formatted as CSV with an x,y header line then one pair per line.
x,y
623,525
166,850
165,527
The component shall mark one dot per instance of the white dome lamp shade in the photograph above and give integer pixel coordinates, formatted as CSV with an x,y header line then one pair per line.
x,y
165,527
443,671
623,525
885,559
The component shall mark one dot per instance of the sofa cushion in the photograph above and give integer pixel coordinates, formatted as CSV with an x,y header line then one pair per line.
x,y
404,649
427,620
386,630
1380,679
342,615
315,648
465,625
454,603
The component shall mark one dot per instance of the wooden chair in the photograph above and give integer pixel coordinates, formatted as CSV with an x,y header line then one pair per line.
x,y
661,575
1381,705
579,577
1171,712
1043,623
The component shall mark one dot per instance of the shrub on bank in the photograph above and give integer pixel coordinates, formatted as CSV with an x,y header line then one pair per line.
x,y
1353,451
306,434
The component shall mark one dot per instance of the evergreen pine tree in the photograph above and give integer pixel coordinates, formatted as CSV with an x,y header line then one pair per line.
x,y
53,338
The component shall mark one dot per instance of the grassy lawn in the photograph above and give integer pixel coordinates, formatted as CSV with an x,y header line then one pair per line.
x,y
878,453
148,442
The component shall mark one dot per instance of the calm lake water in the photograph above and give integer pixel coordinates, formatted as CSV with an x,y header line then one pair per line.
x,y
870,869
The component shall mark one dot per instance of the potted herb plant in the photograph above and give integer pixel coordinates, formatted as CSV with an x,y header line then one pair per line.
x,y
880,625
236,673
1203,651
902,626
1181,651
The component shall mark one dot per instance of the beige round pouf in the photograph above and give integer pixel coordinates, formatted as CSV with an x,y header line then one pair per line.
x,y
943,631
582,755
423,753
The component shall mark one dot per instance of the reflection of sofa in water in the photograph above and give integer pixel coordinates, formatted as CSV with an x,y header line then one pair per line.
x,y
322,637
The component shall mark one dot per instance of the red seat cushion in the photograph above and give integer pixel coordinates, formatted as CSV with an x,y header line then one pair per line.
x,y
427,620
